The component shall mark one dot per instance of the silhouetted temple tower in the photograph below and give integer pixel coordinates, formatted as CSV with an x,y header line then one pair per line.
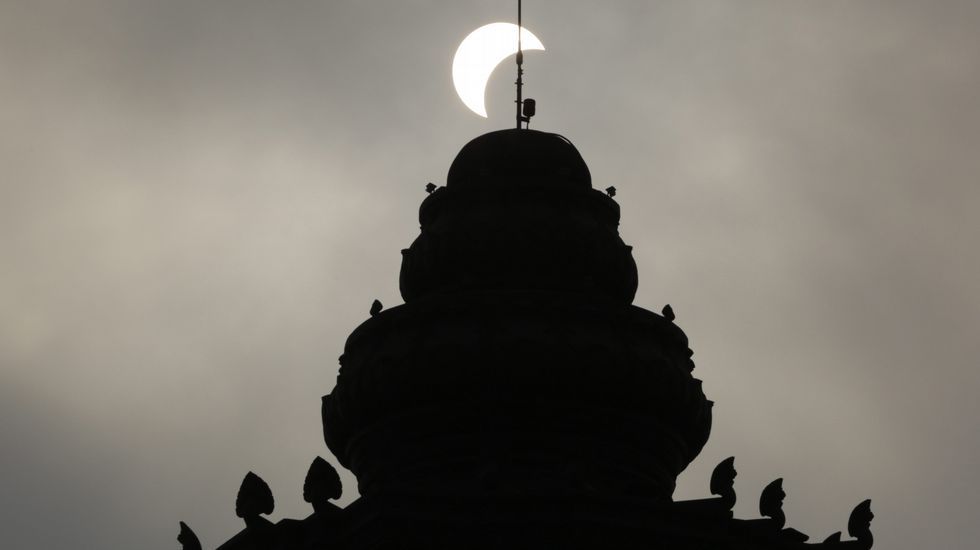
x,y
517,373
517,399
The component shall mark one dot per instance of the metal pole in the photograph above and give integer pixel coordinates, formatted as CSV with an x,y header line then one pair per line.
x,y
520,67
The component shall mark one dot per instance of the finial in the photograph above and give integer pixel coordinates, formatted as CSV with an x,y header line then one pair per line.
x,y
859,524
668,313
376,308
723,481
526,108
322,484
771,506
771,502
187,539
254,498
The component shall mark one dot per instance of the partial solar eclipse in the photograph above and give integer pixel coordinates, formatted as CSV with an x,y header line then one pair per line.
x,y
480,53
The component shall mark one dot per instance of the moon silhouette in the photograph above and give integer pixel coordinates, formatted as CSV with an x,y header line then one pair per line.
x,y
480,53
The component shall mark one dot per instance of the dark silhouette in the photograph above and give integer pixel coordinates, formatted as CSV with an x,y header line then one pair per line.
x,y
722,485
611,191
254,499
319,529
771,506
859,525
518,398
321,486
187,539
771,503
723,481
430,187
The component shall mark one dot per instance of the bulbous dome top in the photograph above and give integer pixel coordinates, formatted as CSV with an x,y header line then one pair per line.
x,y
519,157
519,212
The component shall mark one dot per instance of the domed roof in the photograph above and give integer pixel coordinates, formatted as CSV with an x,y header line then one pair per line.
x,y
519,157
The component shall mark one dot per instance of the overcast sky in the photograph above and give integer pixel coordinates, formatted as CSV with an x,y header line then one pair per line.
x,y
200,199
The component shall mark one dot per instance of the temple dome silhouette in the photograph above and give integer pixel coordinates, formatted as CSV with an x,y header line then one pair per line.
x,y
518,398
519,157
519,212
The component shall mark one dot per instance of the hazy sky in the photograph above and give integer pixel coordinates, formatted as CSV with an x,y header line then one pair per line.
x,y
199,199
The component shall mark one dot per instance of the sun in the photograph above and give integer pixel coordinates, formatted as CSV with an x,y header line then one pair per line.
x,y
480,53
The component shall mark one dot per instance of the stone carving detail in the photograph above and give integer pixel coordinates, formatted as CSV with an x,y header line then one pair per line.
x,y
859,525
771,503
723,482
254,499
722,485
770,531
322,485
771,506
187,539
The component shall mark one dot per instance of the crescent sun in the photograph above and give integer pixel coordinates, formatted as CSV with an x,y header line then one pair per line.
x,y
480,53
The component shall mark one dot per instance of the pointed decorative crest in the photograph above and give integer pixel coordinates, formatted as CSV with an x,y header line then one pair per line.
x,y
254,498
322,483
771,502
723,480
859,524
187,539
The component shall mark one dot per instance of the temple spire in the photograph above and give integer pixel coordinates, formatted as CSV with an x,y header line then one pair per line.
x,y
520,68
525,108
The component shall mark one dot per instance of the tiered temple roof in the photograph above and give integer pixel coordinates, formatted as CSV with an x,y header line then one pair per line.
x,y
517,399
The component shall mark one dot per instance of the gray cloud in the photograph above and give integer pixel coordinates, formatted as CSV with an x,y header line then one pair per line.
x,y
199,200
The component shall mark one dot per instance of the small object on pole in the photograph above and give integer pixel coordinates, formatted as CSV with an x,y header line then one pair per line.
x,y
529,109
